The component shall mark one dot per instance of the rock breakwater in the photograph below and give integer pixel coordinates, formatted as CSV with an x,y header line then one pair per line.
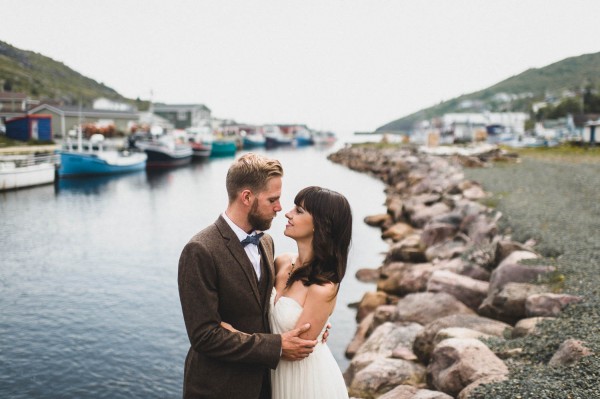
x,y
450,283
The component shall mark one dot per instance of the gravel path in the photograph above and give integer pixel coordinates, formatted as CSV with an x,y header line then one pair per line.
x,y
557,204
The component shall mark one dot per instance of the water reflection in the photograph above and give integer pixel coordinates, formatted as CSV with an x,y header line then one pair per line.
x,y
92,309
91,185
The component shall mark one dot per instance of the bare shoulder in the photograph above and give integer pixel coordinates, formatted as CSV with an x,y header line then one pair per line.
x,y
284,260
326,292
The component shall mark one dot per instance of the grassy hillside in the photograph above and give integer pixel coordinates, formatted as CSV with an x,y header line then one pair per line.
x,y
569,74
43,78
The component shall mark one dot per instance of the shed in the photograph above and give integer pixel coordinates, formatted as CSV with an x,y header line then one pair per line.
x,y
30,127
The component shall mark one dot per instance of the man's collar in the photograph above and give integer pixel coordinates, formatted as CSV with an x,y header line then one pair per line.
x,y
239,232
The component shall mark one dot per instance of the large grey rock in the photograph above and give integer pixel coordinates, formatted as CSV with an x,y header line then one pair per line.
x,y
404,278
458,332
425,340
548,305
367,275
434,233
456,363
463,267
369,303
424,214
360,336
528,326
378,220
410,249
469,291
511,271
410,392
448,249
383,375
506,247
569,352
383,314
398,231
381,344
425,307
508,304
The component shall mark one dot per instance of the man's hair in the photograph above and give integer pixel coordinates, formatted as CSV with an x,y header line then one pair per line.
x,y
251,171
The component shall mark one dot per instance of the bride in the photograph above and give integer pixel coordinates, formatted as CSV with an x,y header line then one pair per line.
x,y
305,291
306,287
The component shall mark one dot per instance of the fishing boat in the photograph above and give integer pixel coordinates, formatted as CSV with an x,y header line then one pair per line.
x,y
95,160
324,138
303,137
275,137
163,151
223,147
27,170
252,139
201,142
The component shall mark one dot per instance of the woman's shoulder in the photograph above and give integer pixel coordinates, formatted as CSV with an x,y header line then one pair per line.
x,y
326,291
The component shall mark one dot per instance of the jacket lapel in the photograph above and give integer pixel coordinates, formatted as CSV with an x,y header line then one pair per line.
x,y
266,253
237,251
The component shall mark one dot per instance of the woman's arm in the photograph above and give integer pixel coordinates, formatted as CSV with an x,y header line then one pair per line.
x,y
317,308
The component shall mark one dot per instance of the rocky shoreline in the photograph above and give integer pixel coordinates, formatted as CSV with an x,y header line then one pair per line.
x,y
458,299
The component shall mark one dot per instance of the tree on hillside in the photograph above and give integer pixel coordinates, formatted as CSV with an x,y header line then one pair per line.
x,y
591,100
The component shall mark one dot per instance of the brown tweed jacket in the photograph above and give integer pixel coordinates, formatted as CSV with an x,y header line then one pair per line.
x,y
217,283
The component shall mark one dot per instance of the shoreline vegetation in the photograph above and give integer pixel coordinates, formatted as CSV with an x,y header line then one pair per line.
x,y
490,286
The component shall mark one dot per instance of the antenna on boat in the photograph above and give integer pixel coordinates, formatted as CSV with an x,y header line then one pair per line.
x,y
79,138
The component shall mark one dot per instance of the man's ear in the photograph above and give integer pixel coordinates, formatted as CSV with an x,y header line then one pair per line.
x,y
247,197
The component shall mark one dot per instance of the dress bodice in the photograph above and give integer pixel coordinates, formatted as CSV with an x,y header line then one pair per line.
x,y
284,314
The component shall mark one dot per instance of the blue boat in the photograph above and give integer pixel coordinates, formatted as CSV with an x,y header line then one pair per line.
x,y
96,161
223,148
303,137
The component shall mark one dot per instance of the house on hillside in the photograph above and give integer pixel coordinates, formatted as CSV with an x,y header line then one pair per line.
x,y
110,105
183,116
476,126
463,126
65,118
14,105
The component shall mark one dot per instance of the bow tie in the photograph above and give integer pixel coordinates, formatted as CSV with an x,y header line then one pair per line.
x,y
252,239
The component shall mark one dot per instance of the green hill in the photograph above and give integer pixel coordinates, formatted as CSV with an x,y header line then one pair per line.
x,y
532,85
45,79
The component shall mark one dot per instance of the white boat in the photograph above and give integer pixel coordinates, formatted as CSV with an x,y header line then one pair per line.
x,y
164,151
275,137
200,139
324,138
19,171
97,161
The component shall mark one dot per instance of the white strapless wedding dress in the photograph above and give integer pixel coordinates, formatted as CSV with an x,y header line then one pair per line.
x,y
316,377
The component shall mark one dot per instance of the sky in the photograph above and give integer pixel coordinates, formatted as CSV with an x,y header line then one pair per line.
x,y
341,65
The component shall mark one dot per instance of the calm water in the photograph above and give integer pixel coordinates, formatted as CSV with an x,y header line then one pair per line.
x,y
89,306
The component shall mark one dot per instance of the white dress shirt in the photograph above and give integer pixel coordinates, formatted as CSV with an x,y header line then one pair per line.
x,y
251,250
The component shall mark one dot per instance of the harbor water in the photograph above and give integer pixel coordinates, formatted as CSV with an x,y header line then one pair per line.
x,y
89,306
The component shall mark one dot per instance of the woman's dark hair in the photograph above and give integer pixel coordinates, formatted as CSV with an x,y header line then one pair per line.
x,y
332,219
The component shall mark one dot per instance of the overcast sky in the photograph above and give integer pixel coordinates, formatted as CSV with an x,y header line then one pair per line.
x,y
342,65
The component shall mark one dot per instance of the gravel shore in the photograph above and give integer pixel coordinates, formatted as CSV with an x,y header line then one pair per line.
x,y
558,204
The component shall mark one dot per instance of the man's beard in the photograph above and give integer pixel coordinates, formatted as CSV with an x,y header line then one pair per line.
x,y
256,220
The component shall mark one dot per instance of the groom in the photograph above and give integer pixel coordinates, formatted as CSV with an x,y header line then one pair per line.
x,y
226,274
